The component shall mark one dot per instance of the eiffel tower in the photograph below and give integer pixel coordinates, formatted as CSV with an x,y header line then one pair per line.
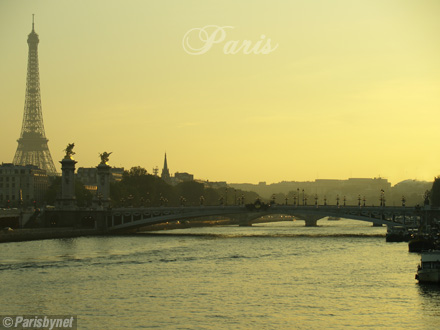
x,y
32,145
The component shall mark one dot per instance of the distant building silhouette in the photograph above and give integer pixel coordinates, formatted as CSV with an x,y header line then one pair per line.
x,y
32,146
183,177
89,176
354,190
22,185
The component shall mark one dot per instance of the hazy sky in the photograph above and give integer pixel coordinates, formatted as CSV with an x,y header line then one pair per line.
x,y
351,88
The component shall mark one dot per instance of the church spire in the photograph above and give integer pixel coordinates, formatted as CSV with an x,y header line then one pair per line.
x,y
165,172
165,165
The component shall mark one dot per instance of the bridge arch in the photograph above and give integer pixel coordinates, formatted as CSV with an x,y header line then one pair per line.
x,y
132,218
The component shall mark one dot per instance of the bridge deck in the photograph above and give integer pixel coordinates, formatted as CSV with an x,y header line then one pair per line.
x,y
129,218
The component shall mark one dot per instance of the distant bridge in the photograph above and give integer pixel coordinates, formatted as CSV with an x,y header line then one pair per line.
x,y
125,219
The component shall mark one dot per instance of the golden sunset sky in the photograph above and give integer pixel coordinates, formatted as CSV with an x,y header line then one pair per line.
x,y
351,90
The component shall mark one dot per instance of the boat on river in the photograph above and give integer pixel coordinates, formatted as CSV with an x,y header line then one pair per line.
x,y
423,242
429,269
398,234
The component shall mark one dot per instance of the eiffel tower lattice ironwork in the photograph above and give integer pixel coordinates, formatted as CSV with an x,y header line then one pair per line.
x,y
32,145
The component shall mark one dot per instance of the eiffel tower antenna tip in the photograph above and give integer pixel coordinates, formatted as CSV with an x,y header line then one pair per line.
x,y
33,21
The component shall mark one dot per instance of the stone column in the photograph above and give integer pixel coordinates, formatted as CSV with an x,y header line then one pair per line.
x,y
67,199
311,220
102,197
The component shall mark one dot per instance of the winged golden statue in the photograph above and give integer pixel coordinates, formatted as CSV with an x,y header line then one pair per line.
x,y
105,157
69,151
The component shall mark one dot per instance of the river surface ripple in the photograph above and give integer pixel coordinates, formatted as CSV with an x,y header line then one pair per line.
x,y
282,275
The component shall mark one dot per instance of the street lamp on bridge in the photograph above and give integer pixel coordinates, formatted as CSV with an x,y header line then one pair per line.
x,y
130,200
99,195
382,198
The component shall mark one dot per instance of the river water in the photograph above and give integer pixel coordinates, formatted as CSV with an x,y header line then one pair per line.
x,y
281,275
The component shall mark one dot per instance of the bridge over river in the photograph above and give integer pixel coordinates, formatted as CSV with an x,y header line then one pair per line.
x,y
126,219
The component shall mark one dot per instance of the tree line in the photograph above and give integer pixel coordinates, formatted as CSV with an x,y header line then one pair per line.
x,y
140,189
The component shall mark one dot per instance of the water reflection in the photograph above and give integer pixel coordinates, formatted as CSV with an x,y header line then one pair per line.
x,y
430,295
431,291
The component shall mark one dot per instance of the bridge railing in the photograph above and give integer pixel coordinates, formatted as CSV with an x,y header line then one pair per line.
x,y
126,217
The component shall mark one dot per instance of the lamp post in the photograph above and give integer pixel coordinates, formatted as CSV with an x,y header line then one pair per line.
x,y
364,200
359,200
344,200
403,201
325,201
337,200
294,200
20,202
316,200
286,200
99,195
382,198
303,198
297,190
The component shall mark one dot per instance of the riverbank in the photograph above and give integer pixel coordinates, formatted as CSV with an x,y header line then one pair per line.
x,y
20,235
